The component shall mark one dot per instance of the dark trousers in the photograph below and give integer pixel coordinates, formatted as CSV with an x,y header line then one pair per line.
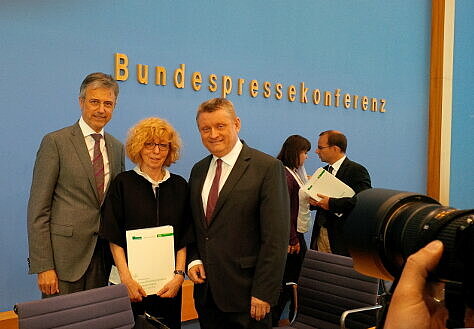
x,y
167,310
211,317
291,274
96,275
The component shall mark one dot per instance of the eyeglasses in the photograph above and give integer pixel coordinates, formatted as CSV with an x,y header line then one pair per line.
x,y
161,146
96,103
323,147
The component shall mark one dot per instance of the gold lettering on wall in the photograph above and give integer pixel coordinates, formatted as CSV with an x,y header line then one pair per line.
x,y
121,67
240,87
266,89
278,92
253,88
337,94
356,98
327,98
196,80
160,78
291,93
303,93
364,102
347,101
212,83
142,74
316,96
179,76
225,84
373,106
382,105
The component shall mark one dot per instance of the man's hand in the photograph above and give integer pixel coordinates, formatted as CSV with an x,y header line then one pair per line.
x,y
197,273
294,249
323,203
258,308
48,282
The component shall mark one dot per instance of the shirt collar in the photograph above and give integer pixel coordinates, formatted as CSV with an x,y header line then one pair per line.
x,y
231,157
87,130
153,182
336,165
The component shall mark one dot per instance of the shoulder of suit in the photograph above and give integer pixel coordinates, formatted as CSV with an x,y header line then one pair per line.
x,y
111,139
58,135
353,164
203,162
61,131
250,152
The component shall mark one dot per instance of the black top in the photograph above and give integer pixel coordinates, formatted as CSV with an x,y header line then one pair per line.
x,y
131,204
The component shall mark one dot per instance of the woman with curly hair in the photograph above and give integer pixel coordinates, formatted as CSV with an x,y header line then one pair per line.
x,y
150,196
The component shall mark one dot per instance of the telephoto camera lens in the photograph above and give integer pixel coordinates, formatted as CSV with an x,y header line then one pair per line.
x,y
387,226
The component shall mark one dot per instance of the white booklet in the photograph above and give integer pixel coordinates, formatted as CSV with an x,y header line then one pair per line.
x,y
150,255
323,182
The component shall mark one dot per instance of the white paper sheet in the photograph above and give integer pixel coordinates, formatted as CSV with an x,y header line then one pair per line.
x,y
323,182
151,257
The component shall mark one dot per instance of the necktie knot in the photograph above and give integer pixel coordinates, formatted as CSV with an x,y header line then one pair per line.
x,y
96,137
330,169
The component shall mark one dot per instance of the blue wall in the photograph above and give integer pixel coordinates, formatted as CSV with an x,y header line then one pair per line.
x,y
462,143
368,48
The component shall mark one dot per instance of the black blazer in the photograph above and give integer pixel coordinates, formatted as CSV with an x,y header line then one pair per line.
x,y
358,178
244,247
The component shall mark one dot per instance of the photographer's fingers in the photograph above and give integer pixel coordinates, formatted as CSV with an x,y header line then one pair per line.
x,y
408,308
420,264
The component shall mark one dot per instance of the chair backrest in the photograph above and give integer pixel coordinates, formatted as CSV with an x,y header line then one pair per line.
x,y
101,308
328,286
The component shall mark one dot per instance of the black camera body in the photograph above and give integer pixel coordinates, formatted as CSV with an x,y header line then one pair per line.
x,y
387,226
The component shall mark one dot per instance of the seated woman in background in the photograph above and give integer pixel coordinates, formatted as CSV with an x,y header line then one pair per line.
x,y
150,196
293,154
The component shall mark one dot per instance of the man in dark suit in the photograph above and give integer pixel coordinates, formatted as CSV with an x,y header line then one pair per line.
x,y
332,212
73,169
240,208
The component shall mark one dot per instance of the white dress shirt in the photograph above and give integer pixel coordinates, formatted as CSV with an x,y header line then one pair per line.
x,y
90,142
228,162
336,165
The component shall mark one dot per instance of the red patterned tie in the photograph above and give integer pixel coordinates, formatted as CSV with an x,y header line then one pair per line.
x,y
213,192
98,165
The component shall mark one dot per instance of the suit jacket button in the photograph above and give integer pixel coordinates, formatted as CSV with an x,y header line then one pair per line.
x,y
206,238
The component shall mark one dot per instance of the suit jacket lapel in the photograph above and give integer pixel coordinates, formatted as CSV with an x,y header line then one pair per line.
x,y
112,153
77,139
341,172
200,178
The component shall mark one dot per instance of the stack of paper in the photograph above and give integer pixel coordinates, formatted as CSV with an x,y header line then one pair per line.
x,y
322,182
150,255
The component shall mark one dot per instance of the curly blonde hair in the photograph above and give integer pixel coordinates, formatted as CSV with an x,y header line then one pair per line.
x,y
146,131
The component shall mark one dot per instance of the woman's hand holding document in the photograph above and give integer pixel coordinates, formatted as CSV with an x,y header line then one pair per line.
x,y
150,256
322,182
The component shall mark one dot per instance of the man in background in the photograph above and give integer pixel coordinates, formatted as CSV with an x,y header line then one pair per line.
x,y
240,207
73,169
332,212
